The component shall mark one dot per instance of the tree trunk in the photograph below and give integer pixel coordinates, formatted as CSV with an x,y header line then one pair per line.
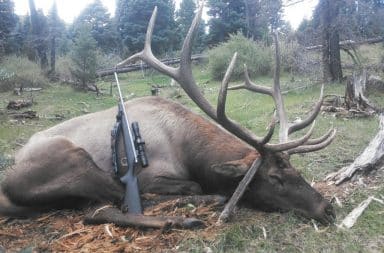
x,y
354,93
334,55
330,40
53,55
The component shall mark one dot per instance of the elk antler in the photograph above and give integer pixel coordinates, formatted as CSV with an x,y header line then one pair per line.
x,y
183,75
287,128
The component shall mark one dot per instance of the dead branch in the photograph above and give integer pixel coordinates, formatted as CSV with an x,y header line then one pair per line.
x,y
141,66
372,158
239,192
350,43
352,217
23,115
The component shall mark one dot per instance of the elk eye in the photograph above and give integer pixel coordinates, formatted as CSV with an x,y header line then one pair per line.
x,y
276,180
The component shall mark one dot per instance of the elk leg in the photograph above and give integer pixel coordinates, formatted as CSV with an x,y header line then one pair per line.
x,y
158,179
109,214
69,175
181,200
9,209
172,186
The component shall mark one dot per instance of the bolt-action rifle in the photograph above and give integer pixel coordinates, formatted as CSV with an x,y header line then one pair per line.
x,y
134,151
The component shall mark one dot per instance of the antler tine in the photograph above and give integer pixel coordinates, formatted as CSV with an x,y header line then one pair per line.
x,y
146,54
283,133
249,85
232,126
291,144
185,77
186,50
182,74
304,123
223,90
315,147
320,139
271,130
285,128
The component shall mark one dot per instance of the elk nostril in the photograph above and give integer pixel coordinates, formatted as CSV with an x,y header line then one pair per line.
x,y
330,211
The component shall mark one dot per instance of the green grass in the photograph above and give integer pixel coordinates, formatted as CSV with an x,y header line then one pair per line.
x,y
285,232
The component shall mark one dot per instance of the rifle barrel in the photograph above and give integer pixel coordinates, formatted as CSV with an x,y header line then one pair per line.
x,y
125,116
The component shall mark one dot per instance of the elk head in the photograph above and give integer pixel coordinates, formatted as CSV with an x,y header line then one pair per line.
x,y
277,184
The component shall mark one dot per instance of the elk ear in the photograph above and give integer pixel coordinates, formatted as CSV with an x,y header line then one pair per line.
x,y
235,168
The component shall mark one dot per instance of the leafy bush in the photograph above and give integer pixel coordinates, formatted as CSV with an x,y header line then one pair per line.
x,y
257,57
107,60
63,69
84,57
290,55
16,72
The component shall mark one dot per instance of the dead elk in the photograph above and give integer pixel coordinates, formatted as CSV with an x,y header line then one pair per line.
x,y
71,162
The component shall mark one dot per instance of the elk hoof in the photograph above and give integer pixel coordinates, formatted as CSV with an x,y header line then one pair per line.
x,y
192,223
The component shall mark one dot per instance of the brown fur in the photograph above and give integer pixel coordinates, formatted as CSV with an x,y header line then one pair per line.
x,y
187,154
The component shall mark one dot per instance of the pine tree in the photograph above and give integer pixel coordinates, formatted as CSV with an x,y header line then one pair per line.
x,y
227,17
261,16
8,21
185,15
39,31
84,56
97,17
132,18
184,18
329,12
56,28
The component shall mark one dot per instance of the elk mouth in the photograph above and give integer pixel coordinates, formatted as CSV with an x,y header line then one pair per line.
x,y
325,214
328,215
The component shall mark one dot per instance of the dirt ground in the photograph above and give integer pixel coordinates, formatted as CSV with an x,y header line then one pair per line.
x,y
63,231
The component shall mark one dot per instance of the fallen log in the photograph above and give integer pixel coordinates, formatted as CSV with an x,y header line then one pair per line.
x,y
350,43
372,158
141,66
18,91
18,104
24,115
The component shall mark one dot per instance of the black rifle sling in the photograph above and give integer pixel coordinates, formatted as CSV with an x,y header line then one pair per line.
x,y
116,131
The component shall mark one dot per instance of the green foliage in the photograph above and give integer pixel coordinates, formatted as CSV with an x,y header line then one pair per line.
x,y
132,18
39,33
227,17
257,56
84,57
253,18
184,18
63,71
16,72
19,39
7,22
185,15
292,56
56,31
96,16
356,20
107,60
